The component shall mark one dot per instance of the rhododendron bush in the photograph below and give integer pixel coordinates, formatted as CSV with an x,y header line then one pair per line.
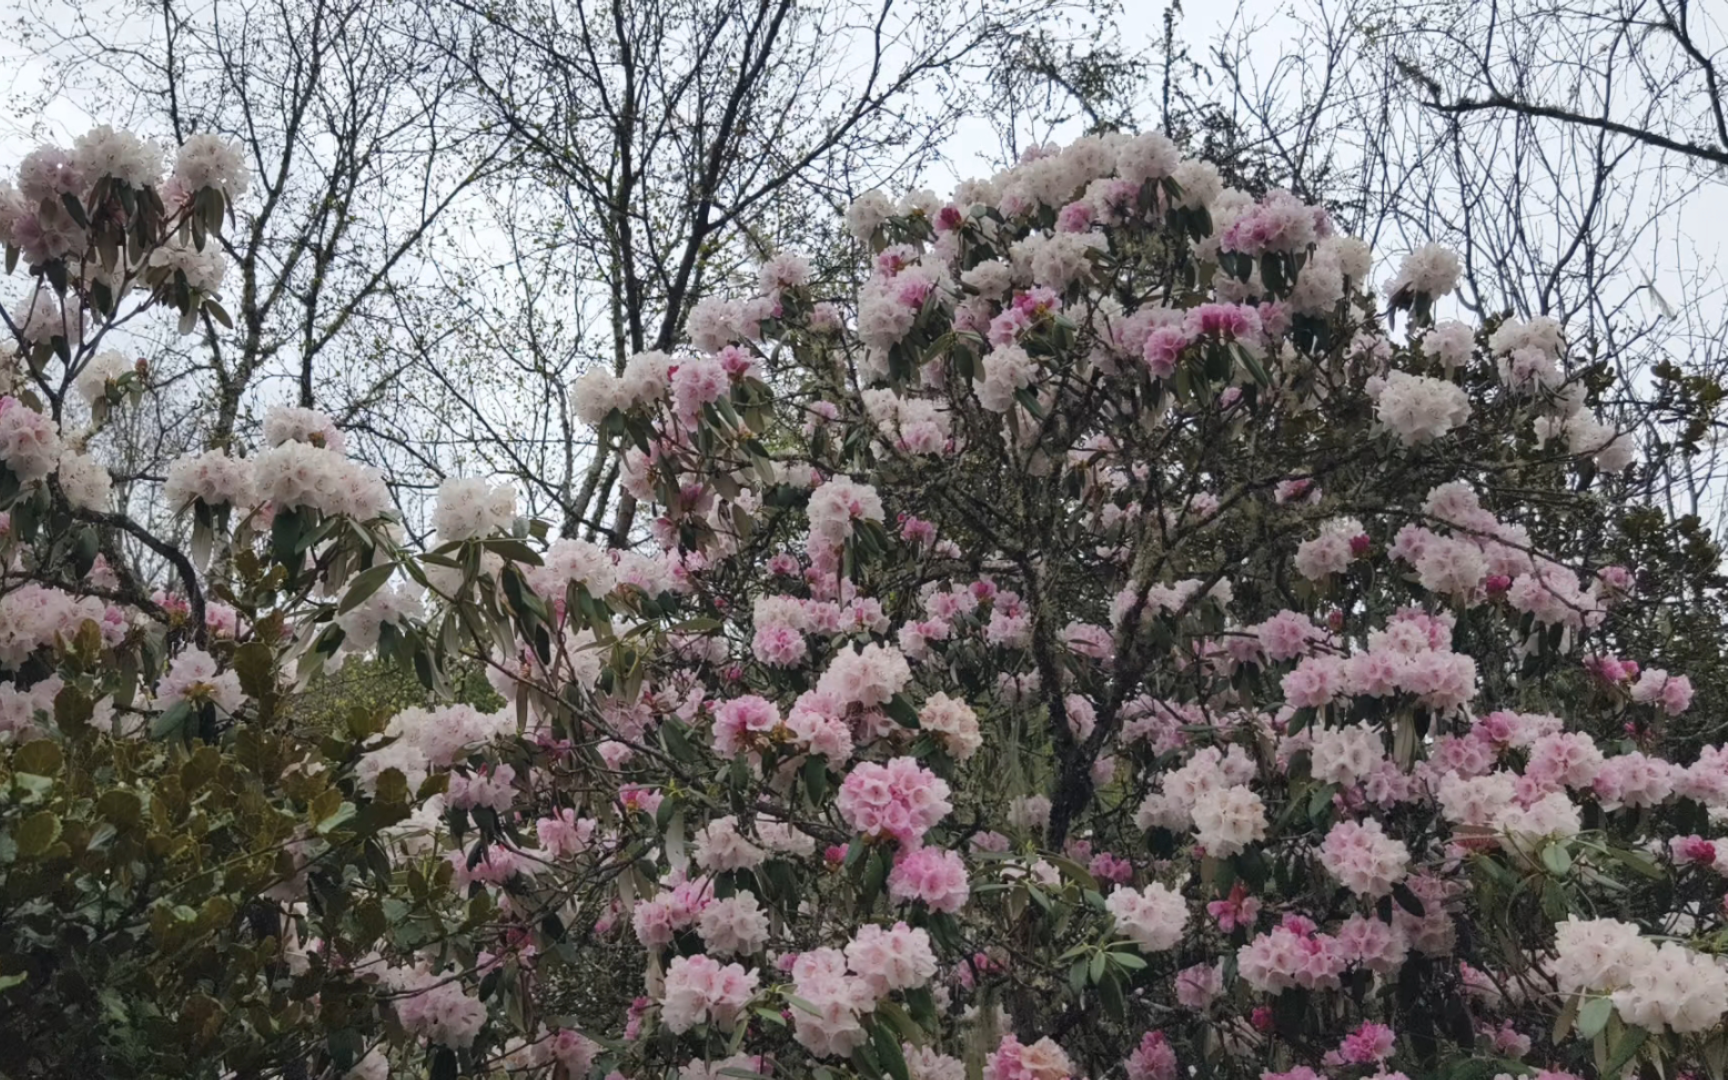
x,y
1120,640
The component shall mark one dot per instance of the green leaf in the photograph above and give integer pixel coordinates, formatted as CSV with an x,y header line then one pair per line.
x,y
672,838
84,550
444,1064
803,1006
253,663
864,1060
699,625
888,1052
923,1007
875,874
37,833
1290,1013
1029,402
1075,872
285,531
72,711
120,806
1557,859
1127,961
1638,862
816,778
1254,367
75,209
908,1029
219,313
171,722
1568,1016
1716,1055
1624,1049
329,812
1593,1016
1110,992
365,583
1408,900
855,852
41,757
668,810
1077,977
1554,903
677,742
901,711
513,550
392,786
780,883
436,784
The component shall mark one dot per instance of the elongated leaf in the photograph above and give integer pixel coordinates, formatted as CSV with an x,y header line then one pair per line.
x,y
816,778
75,209
901,711
172,721
513,550
1623,1050
1110,992
1568,1016
1593,1016
1557,859
1127,961
887,1046
365,583
1408,900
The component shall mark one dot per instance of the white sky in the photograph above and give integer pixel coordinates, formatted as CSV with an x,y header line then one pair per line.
x,y
1687,252
1693,241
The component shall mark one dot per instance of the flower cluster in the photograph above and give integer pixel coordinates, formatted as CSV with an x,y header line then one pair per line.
x,y
1100,644
1654,986
900,799
699,990
1153,917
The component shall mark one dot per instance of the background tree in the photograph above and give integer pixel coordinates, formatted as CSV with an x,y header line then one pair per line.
x,y
1547,144
1568,152
361,153
664,147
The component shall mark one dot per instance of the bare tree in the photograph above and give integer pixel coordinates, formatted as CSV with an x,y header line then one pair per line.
x,y
666,145
458,207
362,152
1067,76
1652,71
1563,149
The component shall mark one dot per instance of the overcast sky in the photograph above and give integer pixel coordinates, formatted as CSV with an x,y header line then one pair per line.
x,y
1692,241
1685,254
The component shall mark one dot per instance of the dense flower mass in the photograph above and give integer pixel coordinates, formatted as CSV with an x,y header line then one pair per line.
x,y
900,799
1154,917
1104,644
1419,409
